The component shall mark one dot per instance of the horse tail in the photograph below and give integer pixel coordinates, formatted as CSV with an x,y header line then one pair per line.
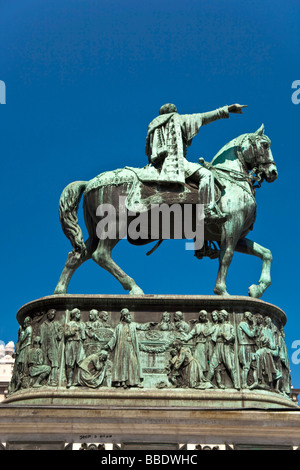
x,y
68,208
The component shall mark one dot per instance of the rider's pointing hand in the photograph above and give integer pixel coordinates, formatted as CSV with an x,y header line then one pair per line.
x,y
237,108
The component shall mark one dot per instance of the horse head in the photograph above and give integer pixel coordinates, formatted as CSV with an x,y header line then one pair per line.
x,y
256,149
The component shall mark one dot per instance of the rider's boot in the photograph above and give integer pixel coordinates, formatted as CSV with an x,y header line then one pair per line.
x,y
206,196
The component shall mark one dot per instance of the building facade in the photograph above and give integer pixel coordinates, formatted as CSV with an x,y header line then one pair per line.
x,y
6,367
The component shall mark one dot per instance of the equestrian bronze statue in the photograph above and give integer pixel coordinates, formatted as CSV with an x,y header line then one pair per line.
x,y
116,201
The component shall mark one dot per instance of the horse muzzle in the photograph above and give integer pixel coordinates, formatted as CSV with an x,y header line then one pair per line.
x,y
271,174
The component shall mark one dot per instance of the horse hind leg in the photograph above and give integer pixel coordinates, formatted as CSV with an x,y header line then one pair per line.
x,y
102,256
251,248
74,260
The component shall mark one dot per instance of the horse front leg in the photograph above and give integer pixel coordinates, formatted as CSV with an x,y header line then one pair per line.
x,y
227,247
251,248
225,259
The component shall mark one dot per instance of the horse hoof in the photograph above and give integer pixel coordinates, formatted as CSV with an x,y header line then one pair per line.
x,y
255,291
221,292
136,291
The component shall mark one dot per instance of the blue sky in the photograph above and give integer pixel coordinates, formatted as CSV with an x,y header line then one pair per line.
x,y
83,81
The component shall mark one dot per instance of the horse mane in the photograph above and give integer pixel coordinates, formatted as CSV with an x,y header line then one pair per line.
x,y
225,153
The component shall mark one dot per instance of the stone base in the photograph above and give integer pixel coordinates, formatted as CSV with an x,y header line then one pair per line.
x,y
183,390
164,414
153,399
144,428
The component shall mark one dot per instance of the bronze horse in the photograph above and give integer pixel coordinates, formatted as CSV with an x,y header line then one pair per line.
x,y
240,165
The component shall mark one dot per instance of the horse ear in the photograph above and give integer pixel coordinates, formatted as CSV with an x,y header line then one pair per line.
x,y
261,130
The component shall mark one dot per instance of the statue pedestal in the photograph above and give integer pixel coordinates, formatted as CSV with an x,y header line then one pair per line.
x,y
145,428
164,373
151,398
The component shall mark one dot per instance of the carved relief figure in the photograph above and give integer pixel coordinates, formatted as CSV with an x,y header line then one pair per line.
x,y
95,370
172,373
259,320
166,324
284,365
38,370
188,368
180,324
185,370
267,373
103,316
126,370
51,334
247,333
200,334
25,341
214,325
224,339
91,329
74,350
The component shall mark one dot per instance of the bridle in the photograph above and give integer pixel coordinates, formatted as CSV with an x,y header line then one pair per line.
x,y
255,177
260,162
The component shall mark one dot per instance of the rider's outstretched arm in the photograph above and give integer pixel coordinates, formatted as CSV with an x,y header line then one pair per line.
x,y
191,123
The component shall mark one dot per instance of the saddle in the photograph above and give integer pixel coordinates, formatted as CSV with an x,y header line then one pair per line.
x,y
145,192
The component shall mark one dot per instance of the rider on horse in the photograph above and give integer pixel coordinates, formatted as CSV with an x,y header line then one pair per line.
x,y
167,140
